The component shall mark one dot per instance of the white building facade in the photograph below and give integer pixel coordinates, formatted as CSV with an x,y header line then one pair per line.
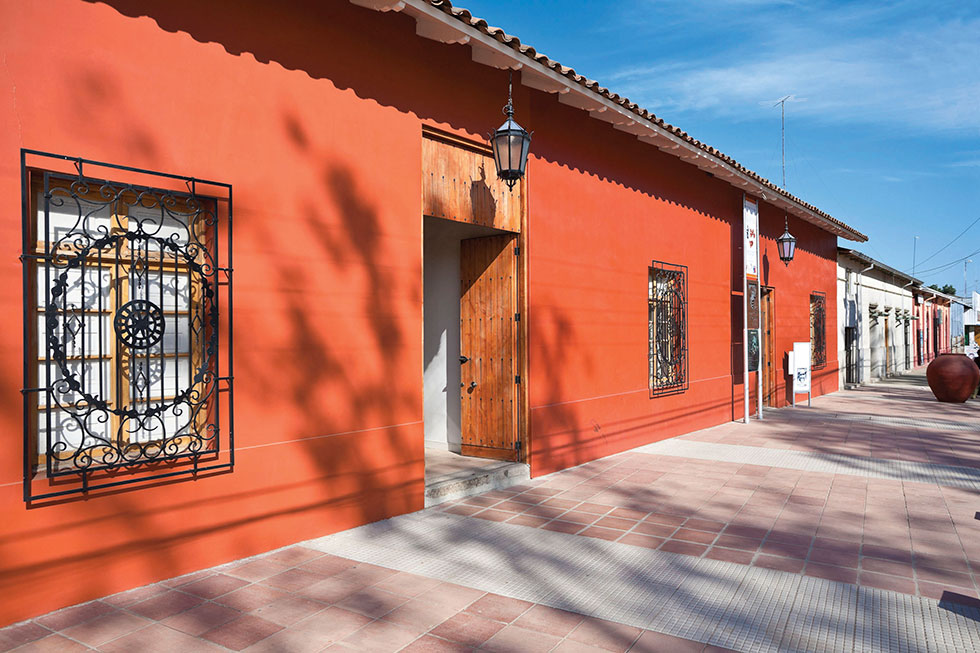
x,y
875,319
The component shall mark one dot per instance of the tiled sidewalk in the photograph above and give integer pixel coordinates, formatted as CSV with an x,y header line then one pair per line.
x,y
739,554
908,425
884,534
299,600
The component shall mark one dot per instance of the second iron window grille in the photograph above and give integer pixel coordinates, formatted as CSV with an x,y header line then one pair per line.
x,y
667,306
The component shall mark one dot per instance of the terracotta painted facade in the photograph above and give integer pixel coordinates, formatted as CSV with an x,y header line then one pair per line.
x,y
931,324
318,129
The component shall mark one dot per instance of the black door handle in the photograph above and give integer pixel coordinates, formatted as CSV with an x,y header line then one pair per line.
x,y
472,384
463,359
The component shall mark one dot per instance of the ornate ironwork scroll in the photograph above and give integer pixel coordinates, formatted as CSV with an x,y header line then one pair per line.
x,y
818,329
122,366
668,328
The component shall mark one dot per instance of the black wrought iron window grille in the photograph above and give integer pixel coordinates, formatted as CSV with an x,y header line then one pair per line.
x,y
127,325
818,329
667,305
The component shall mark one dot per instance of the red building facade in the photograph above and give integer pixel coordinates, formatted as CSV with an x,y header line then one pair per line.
x,y
931,315
316,116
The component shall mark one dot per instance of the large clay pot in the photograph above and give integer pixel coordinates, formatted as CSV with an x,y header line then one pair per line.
x,y
952,377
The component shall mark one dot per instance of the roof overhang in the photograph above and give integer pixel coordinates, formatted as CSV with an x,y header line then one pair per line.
x,y
440,21
878,265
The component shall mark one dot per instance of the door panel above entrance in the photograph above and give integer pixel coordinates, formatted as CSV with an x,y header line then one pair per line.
x,y
488,342
459,182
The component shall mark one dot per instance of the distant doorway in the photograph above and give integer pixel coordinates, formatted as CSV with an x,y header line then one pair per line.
x,y
888,350
769,365
851,356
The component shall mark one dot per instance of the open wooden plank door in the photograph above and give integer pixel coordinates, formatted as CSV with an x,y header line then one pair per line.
x,y
770,365
488,340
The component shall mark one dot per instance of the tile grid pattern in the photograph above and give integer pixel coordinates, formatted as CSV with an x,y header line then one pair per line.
x,y
720,603
882,534
966,478
301,600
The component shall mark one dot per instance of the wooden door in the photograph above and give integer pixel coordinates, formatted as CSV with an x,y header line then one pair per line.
x,y
488,341
769,365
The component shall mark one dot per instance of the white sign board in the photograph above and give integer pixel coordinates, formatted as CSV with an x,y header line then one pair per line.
x,y
750,220
800,367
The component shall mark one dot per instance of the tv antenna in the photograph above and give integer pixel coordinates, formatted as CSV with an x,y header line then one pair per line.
x,y
781,103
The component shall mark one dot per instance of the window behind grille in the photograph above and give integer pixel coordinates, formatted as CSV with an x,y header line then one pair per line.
x,y
818,330
124,377
667,324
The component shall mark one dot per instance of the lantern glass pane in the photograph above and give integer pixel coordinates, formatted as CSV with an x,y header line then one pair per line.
x,y
514,142
497,153
526,146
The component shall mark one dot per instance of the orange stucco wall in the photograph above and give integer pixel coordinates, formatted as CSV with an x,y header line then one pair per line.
x,y
313,112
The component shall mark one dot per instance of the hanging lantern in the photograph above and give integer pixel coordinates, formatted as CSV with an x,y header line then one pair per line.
x,y
510,144
786,245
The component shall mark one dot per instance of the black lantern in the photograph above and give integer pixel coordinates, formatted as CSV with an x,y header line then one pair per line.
x,y
786,245
510,145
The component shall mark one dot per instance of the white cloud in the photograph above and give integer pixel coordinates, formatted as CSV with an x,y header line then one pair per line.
x,y
917,74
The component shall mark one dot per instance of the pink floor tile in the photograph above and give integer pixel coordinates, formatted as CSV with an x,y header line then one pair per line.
x,y
642,540
381,636
469,629
886,582
102,629
550,621
202,618
69,617
792,565
602,533
288,610
686,548
730,555
242,632
213,586
499,608
164,605
563,526
839,574
251,597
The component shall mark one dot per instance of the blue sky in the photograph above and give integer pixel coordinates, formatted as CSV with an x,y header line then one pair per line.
x,y
883,130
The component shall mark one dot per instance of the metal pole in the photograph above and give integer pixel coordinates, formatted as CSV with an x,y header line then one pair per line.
x,y
758,373
745,324
914,242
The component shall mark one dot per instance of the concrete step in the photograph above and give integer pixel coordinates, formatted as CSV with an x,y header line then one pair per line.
x,y
465,483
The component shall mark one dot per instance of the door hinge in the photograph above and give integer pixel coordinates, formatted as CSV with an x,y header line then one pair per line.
x,y
517,445
517,250
517,317
517,379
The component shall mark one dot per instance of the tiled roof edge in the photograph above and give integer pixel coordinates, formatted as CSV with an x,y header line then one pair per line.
x,y
514,43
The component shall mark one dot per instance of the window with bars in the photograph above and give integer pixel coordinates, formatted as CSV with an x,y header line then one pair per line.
x,y
667,305
123,285
818,329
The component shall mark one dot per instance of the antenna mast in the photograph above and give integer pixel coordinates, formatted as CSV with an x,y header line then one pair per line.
x,y
782,131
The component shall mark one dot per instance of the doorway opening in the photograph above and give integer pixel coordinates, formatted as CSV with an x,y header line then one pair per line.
x,y
851,356
769,364
471,396
888,351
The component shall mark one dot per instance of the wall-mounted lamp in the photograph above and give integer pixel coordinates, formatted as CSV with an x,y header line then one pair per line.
x,y
786,244
510,144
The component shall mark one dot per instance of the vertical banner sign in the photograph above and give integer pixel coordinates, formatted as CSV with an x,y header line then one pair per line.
x,y
750,218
